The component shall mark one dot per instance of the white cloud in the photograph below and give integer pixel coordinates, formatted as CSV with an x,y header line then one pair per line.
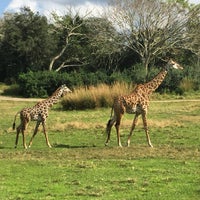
x,y
15,5
62,6
194,1
59,6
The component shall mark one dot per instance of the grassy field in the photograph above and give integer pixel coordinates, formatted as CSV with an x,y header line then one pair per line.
x,y
80,167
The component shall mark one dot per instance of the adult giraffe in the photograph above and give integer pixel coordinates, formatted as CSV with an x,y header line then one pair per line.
x,y
137,103
38,113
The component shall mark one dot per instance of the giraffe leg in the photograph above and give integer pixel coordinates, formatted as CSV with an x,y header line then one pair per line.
x,y
24,138
34,133
117,125
108,130
132,128
144,118
45,134
17,135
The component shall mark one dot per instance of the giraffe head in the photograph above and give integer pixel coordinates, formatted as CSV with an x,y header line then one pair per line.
x,y
172,64
64,90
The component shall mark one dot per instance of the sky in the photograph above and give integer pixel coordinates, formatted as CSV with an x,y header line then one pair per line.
x,y
45,7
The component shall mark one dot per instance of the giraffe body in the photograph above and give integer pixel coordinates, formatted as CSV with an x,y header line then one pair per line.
x,y
136,103
38,113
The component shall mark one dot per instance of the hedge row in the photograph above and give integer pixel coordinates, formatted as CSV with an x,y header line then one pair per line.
x,y
43,83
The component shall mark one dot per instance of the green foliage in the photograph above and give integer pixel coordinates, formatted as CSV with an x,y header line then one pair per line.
x,y
26,44
43,83
12,90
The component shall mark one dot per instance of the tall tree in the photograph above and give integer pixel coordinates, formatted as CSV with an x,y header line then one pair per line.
x,y
25,44
150,28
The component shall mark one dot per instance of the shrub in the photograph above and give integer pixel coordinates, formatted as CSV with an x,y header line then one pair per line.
x,y
40,84
12,90
43,83
187,85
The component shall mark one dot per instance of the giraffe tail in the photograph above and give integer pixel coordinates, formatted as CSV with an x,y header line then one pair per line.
x,y
109,121
111,113
15,120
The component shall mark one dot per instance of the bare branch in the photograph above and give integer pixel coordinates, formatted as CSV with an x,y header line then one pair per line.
x,y
71,28
65,66
150,28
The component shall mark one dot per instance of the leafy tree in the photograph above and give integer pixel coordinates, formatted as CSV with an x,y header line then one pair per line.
x,y
26,44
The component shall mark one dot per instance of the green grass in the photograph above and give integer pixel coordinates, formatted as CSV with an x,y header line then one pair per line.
x,y
80,167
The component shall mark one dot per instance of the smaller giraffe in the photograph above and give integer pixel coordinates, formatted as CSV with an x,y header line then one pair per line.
x,y
38,113
136,103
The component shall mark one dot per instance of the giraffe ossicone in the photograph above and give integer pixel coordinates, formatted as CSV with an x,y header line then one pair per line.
x,y
136,103
38,113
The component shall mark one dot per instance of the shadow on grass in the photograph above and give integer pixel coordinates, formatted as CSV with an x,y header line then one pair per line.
x,y
71,146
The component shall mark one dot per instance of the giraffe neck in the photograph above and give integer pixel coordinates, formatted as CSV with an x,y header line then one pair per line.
x,y
54,98
152,85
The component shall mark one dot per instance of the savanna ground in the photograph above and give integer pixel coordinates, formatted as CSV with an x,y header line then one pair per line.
x,y
79,166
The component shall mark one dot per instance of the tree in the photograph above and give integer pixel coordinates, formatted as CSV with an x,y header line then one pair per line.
x,y
25,43
105,54
150,28
193,31
68,30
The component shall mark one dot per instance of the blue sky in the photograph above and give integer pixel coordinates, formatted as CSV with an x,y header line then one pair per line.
x,y
3,5
47,6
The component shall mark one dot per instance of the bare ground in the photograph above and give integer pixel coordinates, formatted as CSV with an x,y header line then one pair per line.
x,y
8,98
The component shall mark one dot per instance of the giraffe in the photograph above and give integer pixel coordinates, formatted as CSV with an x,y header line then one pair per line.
x,y
38,113
136,103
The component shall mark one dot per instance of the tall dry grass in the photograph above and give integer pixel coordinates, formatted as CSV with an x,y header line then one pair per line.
x,y
95,96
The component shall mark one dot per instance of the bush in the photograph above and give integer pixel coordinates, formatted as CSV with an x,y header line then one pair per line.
x,y
12,90
187,85
44,83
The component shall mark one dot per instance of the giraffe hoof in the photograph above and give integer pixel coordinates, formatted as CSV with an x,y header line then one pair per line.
x,y
106,144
